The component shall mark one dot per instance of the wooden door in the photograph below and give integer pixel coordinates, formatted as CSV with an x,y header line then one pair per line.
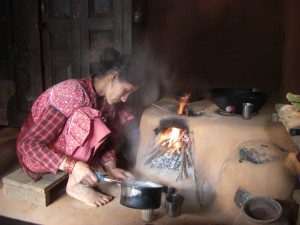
x,y
43,42
104,23
60,38
21,72
76,31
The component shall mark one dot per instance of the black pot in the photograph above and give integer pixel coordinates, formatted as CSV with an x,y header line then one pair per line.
x,y
235,97
140,194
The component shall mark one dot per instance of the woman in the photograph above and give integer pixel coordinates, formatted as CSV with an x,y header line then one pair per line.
x,y
75,123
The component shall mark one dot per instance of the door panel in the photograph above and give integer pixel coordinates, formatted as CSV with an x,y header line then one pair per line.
x,y
76,31
44,42
24,56
100,28
60,29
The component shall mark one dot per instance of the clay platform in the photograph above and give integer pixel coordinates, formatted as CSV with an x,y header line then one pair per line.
x,y
220,170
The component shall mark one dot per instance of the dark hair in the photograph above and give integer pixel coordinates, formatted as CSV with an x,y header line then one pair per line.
x,y
111,59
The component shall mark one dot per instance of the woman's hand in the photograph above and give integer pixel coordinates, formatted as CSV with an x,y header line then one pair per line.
x,y
117,173
120,174
84,174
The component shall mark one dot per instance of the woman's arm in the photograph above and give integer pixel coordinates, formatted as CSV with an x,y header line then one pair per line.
x,y
108,159
34,144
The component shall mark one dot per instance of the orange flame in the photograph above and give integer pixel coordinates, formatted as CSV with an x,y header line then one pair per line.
x,y
171,136
182,101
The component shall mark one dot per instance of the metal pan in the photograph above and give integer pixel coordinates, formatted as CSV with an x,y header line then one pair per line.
x,y
136,193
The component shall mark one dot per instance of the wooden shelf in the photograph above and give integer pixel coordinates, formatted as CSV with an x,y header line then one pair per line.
x,y
290,118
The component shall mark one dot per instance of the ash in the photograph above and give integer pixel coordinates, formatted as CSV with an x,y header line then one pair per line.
x,y
256,156
168,161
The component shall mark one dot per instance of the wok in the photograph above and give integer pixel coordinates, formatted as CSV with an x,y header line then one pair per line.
x,y
136,193
235,97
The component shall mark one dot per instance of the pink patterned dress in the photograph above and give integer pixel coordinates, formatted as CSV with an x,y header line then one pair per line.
x,y
69,120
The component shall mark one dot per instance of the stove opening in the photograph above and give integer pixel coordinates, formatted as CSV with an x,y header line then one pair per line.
x,y
171,147
183,108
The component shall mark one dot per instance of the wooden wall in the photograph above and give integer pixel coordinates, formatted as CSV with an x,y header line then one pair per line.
x,y
291,58
197,44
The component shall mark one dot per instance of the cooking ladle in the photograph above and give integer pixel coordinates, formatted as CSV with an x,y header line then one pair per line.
x,y
105,179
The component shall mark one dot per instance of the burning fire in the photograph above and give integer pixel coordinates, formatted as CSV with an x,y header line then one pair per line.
x,y
175,138
172,138
182,101
171,147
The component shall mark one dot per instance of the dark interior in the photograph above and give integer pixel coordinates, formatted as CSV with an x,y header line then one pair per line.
x,y
179,46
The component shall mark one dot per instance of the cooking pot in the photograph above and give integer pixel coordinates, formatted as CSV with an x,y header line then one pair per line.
x,y
136,193
140,194
224,97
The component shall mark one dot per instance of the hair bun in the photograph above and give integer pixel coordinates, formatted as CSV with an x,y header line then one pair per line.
x,y
110,58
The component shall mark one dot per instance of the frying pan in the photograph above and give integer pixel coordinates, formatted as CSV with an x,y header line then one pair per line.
x,y
136,193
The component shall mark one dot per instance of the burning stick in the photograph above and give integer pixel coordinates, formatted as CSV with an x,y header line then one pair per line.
x,y
163,109
157,145
172,141
195,178
156,154
177,158
186,159
189,157
182,167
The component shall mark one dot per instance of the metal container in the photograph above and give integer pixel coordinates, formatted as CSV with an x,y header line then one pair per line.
x,y
173,204
259,209
166,191
136,193
262,209
140,194
247,110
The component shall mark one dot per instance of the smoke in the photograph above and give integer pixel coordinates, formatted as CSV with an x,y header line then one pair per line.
x,y
156,78
173,52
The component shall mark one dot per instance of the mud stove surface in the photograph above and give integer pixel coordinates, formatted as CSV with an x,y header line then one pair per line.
x,y
208,158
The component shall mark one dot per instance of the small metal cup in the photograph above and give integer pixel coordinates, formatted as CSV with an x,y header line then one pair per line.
x,y
166,191
247,110
173,205
148,215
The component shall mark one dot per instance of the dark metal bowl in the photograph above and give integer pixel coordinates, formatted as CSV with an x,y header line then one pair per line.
x,y
235,97
262,209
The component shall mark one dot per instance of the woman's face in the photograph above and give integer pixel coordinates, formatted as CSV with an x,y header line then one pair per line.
x,y
118,91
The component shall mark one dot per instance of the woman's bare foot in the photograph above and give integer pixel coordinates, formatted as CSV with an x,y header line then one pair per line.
x,y
86,194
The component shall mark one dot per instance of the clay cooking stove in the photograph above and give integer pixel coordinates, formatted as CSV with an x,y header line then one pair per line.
x,y
171,149
208,157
